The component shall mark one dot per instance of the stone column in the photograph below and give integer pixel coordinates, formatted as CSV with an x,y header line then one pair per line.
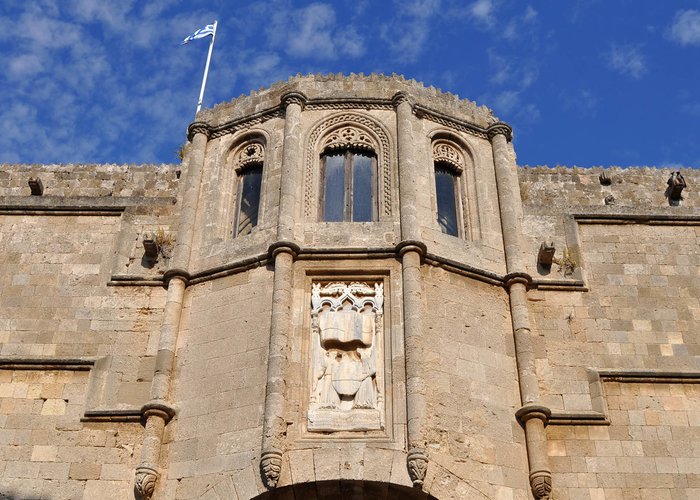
x,y
158,412
283,252
293,103
411,251
532,415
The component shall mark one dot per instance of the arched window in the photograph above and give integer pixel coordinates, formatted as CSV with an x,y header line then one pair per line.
x,y
249,170
348,176
349,180
448,162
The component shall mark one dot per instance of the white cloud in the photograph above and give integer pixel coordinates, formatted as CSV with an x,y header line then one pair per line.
x,y
583,101
509,70
686,27
407,35
25,65
482,12
627,60
311,32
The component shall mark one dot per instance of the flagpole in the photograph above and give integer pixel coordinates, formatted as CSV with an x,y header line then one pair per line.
x,y
206,70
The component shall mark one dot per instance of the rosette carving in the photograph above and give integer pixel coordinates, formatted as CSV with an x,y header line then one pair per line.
x,y
145,482
270,466
253,152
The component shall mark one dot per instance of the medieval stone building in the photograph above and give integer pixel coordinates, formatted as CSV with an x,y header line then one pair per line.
x,y
348,289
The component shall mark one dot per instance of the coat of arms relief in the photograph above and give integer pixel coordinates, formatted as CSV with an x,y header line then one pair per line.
x,y
347,364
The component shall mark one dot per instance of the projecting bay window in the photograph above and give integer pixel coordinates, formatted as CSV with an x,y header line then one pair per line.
x,y
447,198
349,186
248,199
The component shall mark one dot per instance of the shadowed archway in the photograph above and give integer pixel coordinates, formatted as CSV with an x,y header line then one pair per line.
x,y
347,490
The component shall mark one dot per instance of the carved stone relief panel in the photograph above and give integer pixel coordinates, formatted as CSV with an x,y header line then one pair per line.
x,y
347,361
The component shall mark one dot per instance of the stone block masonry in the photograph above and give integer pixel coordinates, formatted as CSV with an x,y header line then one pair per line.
x,y
427,352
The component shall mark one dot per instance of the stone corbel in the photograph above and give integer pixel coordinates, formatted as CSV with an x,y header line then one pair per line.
x,y
145,482
676,183
417,463
270,467
546,255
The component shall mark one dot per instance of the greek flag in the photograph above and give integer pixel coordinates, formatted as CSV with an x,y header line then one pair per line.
x,y
200,33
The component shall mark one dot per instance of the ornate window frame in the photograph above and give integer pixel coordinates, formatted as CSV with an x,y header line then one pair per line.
x,y
247,155
347,131
450,152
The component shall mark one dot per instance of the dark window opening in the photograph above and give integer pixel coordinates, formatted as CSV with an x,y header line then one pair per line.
x,y
349,187
447,197
248,201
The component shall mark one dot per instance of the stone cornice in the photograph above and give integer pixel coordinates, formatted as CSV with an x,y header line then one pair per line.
x,y
232,126
449,121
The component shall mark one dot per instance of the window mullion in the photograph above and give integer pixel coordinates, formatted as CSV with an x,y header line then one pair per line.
x,y
348,186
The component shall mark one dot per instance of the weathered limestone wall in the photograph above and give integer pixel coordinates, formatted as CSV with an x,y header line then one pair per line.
x,y
91,180
476,447
55,305
47,453
220,389
623,348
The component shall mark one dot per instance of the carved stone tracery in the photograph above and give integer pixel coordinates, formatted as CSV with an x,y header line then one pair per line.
x,y
346,357
444,152
383,151
249,153
349,138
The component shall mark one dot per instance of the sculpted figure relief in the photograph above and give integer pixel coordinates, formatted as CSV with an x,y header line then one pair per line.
x,y
346,364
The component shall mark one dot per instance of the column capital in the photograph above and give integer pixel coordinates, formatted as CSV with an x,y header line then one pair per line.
x,y
500,128
533,411
293,98
198,128
400,98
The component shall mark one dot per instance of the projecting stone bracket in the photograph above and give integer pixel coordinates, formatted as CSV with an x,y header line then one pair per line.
x,y
676,183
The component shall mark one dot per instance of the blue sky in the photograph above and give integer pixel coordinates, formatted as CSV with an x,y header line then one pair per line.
x,y
582,82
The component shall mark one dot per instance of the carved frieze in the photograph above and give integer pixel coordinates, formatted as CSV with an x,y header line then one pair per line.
x,y
349,138
347,365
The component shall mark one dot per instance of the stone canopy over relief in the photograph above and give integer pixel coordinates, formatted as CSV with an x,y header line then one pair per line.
x,y
347,364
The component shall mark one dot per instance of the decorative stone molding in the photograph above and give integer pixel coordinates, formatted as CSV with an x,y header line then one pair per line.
x,y
347,361
541,484
159,409
411,246
500,128
448,121
533,411
283,246
247,122
417,463
145,482
378,136
198,128
512,278
359,103
349,137
249,153
270,467
445,152
293,98
400,98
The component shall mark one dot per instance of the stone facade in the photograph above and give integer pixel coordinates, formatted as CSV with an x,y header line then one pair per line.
x,y
160,338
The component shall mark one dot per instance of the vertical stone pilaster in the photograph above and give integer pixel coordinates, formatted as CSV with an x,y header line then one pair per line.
x,y
274,424
291,171
157,412
411,251
532,415
283,253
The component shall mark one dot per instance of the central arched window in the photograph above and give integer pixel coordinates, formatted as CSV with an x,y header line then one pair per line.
x,y
349,180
